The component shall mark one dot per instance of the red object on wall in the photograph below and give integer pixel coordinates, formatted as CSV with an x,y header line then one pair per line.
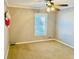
x,y
7,22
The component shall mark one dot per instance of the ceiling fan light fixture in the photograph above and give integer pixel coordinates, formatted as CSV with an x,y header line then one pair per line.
x,y
48,3
52,1
52,9
48,9
51,6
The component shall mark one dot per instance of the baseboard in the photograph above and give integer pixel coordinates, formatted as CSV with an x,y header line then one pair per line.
x,y
34,41
65,43
45,40
7,53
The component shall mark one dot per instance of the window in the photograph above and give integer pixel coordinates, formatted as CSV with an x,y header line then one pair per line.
x,y
40,24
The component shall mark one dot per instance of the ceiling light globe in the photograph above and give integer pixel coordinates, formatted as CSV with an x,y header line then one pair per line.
x,y
49,4
48,9
53,9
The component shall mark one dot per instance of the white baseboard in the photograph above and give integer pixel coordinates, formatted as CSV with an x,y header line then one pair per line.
x,y
45,40
65,43
34,41
7,53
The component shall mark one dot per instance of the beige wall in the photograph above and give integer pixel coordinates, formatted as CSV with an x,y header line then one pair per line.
x,y
22,25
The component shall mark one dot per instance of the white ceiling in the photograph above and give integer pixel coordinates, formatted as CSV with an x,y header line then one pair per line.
x,y
37,3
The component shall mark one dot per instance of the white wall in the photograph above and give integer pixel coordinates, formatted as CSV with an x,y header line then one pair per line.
x,y
22,27
65,26
6,42
6,38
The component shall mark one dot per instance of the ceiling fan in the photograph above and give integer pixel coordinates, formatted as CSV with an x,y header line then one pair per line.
x,y
52,6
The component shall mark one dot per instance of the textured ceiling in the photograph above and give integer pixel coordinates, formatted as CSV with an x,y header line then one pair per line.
x,y
37,3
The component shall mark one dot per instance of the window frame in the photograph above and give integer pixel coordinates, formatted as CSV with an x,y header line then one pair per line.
x,y
46,16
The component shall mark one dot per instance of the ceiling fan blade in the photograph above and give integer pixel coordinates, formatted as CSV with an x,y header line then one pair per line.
x,y
63,5
48,0
57,9
52,3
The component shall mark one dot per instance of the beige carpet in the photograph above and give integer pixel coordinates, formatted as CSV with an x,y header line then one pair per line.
x,y
41,50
